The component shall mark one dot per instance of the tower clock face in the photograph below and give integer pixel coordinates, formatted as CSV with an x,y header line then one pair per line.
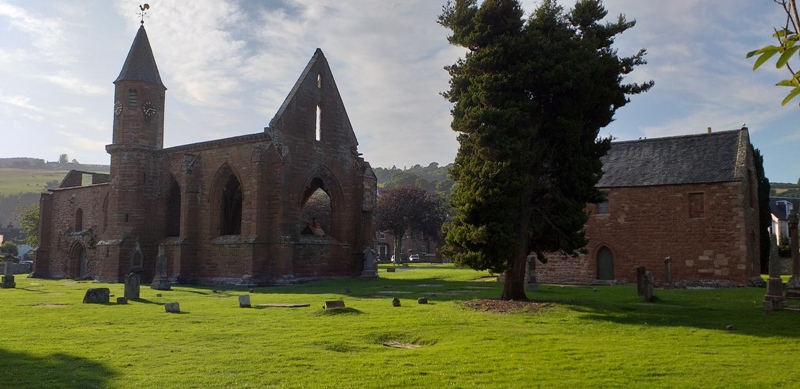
x,y
149,109
117,108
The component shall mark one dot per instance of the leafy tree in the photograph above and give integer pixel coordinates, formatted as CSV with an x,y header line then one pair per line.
x,y
764,212
29,223
529,100
409,208
9,248
787,37
63,159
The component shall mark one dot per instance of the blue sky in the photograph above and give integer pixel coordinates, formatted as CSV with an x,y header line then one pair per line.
x,y
228,65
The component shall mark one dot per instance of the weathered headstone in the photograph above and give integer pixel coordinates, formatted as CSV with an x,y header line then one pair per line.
x,y
334,304
793,286
369,264
648,286
160,281
668,273
395,302
97,296
132,286
640,283
172,307
390,270
774,298
532,284
8,276
244,301
422,300
122,300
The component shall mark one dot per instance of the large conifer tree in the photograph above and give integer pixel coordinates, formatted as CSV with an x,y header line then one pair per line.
x,y
529,98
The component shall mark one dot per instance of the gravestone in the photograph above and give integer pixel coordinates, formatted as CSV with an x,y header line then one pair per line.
x,y
132,284
390,270
122,300
369,264
160,281
793,286
640,286
648,286
172,307
422,300
774,298
8,276
244,301
395,302
333,304
668,273
97,296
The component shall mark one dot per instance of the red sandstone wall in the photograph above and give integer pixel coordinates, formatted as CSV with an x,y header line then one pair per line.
x,y
647,224
62,236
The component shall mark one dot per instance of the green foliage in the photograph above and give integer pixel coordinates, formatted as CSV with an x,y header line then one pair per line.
x,y
575,338
529,100
9,248
29,224
787,37
408,208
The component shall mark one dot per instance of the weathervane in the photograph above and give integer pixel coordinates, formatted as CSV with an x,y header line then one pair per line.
x,y
144,9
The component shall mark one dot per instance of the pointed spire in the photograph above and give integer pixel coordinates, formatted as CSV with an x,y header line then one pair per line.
x,y
140,64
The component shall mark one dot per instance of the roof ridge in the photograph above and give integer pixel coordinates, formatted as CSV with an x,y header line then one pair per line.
x,y
726,132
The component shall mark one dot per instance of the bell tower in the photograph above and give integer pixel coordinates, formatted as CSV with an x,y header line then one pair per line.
x,y
138,138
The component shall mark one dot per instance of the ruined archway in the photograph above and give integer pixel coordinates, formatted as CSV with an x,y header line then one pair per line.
x,y
77,261
320,205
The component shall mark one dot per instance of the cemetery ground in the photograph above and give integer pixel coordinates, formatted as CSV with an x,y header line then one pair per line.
x,y
573,336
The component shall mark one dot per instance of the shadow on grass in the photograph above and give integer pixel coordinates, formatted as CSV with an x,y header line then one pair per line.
x,y
338,311
22,370
701,309
146,301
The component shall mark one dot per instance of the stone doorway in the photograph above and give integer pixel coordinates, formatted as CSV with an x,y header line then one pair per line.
x,y
78,260
605,264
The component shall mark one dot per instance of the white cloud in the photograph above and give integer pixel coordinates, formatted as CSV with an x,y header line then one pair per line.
x,y
76,85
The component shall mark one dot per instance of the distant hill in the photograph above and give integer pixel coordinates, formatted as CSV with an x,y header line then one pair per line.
x,y
782,189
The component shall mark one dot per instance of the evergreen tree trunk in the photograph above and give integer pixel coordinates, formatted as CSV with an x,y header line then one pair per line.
x,y
514,287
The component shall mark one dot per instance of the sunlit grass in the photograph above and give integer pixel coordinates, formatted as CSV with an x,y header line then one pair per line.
x,y
584,338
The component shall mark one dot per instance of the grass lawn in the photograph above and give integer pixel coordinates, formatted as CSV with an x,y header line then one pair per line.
x,y
13,181
579,338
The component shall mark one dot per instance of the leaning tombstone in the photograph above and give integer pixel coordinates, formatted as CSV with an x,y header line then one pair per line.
x,y
172,307
774,298
244,301
8,276
648,286
160,281
333,304
97,296
132,284
640,282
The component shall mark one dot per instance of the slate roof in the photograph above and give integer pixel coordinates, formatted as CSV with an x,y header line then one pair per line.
x,y
778,208
689,159
140,64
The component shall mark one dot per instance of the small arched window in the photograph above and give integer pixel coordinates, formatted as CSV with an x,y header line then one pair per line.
x,y
132,97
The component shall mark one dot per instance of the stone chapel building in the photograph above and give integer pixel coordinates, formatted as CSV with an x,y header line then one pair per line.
x,y
227,211
691,198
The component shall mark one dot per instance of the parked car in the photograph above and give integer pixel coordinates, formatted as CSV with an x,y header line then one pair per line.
x,y
413,258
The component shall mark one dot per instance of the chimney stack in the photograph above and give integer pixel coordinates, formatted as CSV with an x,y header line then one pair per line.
x,y
708,130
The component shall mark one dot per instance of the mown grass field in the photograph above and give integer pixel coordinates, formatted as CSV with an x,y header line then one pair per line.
x,y
578,338
13,181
